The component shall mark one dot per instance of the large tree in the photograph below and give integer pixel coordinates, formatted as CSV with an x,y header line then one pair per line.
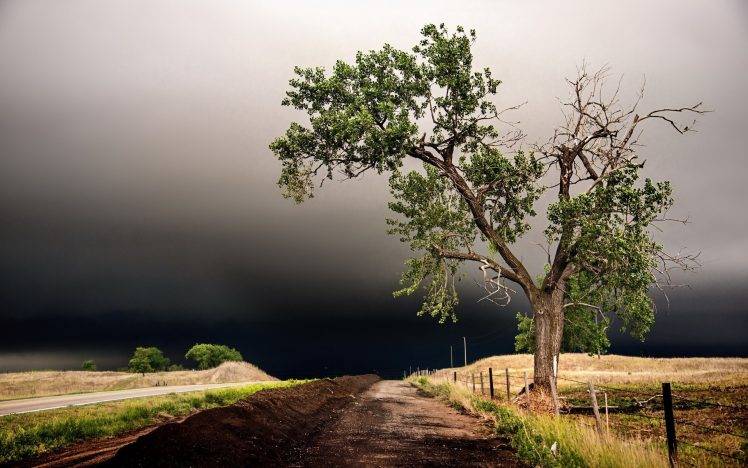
x,y
473,200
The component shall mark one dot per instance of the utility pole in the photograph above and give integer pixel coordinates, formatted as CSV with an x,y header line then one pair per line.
x,y
451,359
464,347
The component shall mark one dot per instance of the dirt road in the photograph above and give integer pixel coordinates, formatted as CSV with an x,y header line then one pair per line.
x,y
349,421
394,425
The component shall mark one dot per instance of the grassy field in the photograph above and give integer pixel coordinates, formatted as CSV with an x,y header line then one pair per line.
x,y
710,397
29,434
709,417
15,385
542,440
626,369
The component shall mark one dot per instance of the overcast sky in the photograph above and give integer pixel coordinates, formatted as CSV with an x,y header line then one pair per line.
x,y
135,176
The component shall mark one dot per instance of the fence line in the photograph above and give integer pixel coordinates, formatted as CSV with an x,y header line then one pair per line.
x,y
712,404
711,429
470,380
712,451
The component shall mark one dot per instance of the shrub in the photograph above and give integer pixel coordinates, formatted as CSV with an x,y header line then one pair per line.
x,y
148,359
212,355
89,365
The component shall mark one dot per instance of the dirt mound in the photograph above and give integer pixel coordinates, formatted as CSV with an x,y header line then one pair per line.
x,y
263,429
237,372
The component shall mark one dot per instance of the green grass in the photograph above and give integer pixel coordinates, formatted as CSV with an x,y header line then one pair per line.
x,y
29,434
544,440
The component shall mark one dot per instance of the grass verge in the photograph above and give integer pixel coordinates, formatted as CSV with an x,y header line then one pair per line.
x,y
544,440
29,434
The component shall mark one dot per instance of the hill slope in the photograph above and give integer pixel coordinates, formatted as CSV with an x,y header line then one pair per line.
x,y
44,383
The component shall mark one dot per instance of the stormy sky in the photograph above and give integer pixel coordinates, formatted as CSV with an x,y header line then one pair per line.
x,y
138,202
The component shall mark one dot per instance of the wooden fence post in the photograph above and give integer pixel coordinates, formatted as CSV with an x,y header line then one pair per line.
x,y
455,376
607,419
595,409
490,382
472,379
508,393
672,442
482,389
554,395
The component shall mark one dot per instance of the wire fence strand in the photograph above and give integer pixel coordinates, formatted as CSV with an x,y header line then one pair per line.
x,y
712,451
711,429
471,381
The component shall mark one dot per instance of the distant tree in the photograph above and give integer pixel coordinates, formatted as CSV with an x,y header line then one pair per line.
x,y
175,367
477,190
89,365
212,355
148,359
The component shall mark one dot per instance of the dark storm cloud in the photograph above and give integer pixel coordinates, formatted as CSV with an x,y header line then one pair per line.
x,y
135,174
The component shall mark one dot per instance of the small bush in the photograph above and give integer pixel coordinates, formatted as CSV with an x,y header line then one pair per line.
x,y
89,365
211,355
148,359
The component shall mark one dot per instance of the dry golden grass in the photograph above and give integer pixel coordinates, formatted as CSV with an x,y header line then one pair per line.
x,y
542,440
710,397
621,369
45,383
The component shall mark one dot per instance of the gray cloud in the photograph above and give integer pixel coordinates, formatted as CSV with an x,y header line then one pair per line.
x,y
135,174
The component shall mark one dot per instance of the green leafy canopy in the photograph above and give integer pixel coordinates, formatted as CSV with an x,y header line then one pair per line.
x,y
148,359
475,193
208,355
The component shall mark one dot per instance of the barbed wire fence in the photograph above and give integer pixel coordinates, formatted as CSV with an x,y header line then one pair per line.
x,y
514,387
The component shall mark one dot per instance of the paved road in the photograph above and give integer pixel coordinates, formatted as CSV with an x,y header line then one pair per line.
x,y
27,405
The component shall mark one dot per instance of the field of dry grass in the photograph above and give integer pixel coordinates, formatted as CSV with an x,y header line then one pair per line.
x,y
45,383
614,369
709,398
541,440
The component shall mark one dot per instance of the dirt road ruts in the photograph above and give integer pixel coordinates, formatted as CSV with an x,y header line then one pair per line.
x,y
393,424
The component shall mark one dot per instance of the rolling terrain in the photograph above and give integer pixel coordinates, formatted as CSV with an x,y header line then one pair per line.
x,y
362,420
47,383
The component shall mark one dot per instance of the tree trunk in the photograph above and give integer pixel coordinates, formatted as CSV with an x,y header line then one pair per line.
x,y
549,327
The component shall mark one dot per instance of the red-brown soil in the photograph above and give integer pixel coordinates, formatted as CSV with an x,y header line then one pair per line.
x,y
395,425
86,453
348,421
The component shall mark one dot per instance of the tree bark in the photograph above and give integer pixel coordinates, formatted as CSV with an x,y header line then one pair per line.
x,y
548,310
